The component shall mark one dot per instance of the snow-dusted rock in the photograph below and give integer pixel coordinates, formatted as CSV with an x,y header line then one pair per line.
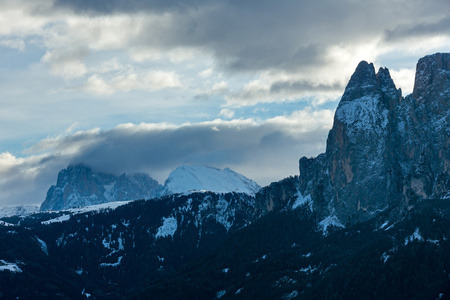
x,y
19,210
384,150
80,186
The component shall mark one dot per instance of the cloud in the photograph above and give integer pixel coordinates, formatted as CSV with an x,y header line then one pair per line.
x,y
190,61
227,113
13,43
111,6
404,79
314,44
264,151
272,87
23,180
419,30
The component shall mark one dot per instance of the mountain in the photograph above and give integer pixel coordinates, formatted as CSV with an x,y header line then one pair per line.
x,y
367,219
114,249
186,179
79,186
384,151
19,210
283,256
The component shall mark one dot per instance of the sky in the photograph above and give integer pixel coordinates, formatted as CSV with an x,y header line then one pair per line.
x,y
147,86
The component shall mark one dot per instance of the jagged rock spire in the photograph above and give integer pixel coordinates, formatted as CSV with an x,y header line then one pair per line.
x,y
384,150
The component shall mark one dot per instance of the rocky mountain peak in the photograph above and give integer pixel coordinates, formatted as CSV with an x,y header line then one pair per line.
x,y
78,186
432,74
362,82
384,150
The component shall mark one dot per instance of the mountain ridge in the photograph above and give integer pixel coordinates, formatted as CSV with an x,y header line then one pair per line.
x,y
80,186
384,150
369,218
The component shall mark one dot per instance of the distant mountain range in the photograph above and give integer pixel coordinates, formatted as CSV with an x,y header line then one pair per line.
x,y
367,219
19,210
80,186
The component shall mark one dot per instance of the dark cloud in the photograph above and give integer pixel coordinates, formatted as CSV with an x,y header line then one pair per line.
x,y
162,150
264,152
131,6
401,32
304,86
260,35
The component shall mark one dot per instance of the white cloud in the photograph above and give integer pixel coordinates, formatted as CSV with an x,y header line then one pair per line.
x,y
404,79
206,73
18,44
227,113
97,85
150,81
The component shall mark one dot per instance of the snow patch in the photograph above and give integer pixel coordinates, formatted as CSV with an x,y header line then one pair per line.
x,y
168,227
291,295
330,221
415,236
220,294
302,200
43,245
384,225
308,270
59,219
12,267
80,210
363,114
3,223
112,264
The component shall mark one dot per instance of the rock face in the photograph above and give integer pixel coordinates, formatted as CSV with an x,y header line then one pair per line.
x,y
79,186
384,151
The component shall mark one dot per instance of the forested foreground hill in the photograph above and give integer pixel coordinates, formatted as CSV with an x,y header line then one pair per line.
x,y
284,256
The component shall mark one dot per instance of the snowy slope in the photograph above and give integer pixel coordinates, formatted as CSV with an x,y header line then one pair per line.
x,y
21,210
67,213
187,179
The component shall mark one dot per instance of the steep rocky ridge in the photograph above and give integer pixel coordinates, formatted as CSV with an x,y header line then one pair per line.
x,y
79,186
383,151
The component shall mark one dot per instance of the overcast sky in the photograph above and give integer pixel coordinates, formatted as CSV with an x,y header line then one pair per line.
x,y
146,86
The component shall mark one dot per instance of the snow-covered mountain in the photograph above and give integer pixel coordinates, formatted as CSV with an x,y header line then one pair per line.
x,y
80,186
20,210
187,179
